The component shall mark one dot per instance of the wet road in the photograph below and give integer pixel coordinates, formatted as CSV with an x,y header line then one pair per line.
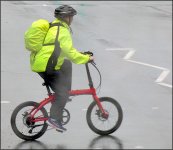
x,y
132,43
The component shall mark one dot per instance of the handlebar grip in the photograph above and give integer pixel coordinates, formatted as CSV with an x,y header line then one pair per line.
x,y
89,53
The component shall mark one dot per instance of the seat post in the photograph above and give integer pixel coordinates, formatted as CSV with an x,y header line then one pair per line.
x,y
48,90
47,87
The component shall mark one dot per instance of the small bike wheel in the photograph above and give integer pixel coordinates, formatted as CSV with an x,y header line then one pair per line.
x,y
22,125
100,124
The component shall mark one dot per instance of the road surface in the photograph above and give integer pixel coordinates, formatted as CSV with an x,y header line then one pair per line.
x,y
132,44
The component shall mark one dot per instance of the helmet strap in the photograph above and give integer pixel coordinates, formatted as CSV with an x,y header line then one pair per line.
x,y
66,20
69,21
71,30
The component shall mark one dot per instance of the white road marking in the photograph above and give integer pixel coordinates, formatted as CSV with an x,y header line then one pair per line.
x,y
5,102
44,5
84,109
154,108
139,147
145,64
164,84
163,75
131,52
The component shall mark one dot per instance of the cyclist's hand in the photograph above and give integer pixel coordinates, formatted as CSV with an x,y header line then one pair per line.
x,y
91,59
88,53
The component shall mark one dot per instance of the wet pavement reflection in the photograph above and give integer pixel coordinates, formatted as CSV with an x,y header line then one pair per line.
x,y
99,142
106,142
31,145
129,39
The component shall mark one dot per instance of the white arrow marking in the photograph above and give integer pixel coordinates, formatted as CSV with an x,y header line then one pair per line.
x,y
5,102
131,52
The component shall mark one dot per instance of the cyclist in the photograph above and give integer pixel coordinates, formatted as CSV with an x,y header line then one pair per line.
x,y
59,79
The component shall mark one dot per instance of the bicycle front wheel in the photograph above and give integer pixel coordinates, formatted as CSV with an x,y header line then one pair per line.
x,y
101,125
22,124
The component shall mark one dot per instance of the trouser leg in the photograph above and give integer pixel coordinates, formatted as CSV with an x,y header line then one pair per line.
x,y
62,87
60,83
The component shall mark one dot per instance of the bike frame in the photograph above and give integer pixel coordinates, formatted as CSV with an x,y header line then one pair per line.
x,y
51,98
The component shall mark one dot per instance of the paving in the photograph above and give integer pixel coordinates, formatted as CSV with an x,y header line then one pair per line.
x,y
132,45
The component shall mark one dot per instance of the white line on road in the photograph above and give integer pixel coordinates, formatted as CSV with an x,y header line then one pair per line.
x,y
149,65
139,147
154,108
131,52
5,102
164,84
162,76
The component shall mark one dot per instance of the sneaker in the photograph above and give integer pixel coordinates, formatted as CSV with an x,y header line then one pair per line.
x,y
55,124
69,100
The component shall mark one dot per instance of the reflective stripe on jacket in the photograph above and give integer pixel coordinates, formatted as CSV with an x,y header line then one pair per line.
x,y
40,59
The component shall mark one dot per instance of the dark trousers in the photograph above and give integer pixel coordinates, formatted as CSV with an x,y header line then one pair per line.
x,y
60,82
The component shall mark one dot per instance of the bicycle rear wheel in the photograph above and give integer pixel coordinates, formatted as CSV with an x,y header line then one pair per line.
x,y
101,125
22,125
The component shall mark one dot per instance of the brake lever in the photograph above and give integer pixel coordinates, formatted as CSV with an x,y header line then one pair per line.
x,y
89,53
93,62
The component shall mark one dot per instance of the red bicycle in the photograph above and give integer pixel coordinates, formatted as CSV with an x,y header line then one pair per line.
x,y
104,115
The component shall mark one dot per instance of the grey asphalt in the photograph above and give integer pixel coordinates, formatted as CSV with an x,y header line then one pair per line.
x,y
145,26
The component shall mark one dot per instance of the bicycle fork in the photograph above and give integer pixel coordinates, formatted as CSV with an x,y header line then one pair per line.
x,y
95,97
91,91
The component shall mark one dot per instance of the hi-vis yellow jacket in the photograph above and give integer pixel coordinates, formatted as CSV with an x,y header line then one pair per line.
x,y
39,60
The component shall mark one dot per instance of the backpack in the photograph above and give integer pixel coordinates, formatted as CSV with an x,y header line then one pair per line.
x,y
35,35
34,40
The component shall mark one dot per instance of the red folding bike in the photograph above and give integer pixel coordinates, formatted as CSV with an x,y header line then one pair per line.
x,y
104,115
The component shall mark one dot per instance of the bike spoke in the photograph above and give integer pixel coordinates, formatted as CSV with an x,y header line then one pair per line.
x,y
23,128
99,121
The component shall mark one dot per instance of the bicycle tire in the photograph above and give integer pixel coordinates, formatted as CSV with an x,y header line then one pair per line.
x,y
117,124
13,121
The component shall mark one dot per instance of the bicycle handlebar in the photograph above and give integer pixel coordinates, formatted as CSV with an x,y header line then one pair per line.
x,y
94,65
89,53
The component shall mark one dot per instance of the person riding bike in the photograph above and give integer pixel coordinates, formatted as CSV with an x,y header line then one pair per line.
x,y
59,75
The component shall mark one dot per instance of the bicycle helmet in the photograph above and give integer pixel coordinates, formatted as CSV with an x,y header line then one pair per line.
x,y
64,11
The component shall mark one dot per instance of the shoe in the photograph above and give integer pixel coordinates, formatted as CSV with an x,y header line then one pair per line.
x,y
69,100
55,124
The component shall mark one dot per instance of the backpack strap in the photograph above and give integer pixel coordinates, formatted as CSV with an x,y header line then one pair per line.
x,y
55,24
50,26
54,57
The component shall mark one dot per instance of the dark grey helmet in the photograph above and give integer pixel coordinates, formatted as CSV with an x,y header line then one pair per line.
x,y
64,11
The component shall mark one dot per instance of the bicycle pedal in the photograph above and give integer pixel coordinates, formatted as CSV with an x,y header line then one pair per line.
x,y
69,100
59,131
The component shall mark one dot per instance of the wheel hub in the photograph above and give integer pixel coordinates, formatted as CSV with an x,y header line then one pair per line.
x,y
27,120
102,116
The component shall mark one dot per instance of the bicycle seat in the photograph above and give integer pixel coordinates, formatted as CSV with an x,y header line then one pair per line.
x,y
44,84
47,87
